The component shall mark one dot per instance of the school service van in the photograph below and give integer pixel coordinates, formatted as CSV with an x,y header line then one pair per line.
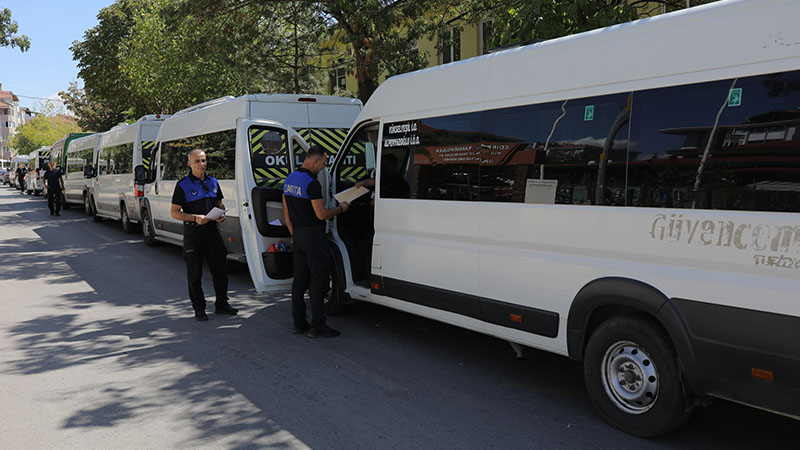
x,y
113,192
628,197
247,141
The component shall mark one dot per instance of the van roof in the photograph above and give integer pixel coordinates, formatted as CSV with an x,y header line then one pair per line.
x,y
221,114
664,50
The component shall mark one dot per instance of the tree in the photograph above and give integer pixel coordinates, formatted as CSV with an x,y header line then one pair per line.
x,y
107,98
8,30
42,131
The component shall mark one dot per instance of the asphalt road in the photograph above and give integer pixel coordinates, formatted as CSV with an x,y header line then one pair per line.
x,y
98,349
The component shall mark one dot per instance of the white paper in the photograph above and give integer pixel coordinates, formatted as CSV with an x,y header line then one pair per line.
x,y
351,194
216,213
540,191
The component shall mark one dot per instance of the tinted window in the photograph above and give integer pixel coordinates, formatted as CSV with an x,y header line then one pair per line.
x,y
268,156
439,158
354,165
76,161
562,152
117,159
220,151
752,154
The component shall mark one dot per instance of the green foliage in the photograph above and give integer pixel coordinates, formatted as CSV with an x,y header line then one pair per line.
x,y
107,92
42,131
8,33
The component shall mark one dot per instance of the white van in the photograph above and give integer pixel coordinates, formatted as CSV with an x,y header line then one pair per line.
x,y
77,166
59,154
247,140
17,161
113,194
38,161
640,214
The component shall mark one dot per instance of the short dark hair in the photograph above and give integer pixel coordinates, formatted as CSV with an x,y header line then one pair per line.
x,y
315,151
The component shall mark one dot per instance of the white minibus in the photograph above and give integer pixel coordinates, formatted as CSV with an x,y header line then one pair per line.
x,y
37,165
247,141
628,197
113,194
59,154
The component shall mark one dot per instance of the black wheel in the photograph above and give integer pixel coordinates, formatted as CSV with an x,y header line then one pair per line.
x,y
148,232
336,300
633,377
127,226
95,217
87,206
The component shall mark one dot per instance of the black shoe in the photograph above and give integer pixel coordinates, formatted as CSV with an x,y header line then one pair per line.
x,y
200,316
225,309
52,213
323,331
302,329
58,214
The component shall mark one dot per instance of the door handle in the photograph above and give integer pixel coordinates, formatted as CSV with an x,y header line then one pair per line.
x,y
155,188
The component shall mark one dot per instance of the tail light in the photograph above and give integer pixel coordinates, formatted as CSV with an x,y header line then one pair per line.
x,y
138,190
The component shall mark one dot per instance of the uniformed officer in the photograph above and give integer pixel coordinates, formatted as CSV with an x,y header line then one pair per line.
x,y
305,214
54,185
194,197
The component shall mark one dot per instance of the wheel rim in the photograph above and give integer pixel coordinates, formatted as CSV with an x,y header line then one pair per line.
x,y
146,226
630,377
124,218
86,206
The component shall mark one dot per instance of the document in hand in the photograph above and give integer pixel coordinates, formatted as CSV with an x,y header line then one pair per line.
x,y
215,213
351,194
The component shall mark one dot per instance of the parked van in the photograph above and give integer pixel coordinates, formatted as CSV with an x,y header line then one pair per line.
x,y
18,161
58,154
77,167
641,215
38,161
248,141
112,192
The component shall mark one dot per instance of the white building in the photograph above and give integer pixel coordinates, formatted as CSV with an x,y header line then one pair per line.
x,y
12,116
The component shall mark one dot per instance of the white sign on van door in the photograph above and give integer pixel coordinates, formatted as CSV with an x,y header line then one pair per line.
x,y
540,191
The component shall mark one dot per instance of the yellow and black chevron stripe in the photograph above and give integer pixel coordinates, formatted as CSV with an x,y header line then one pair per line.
x,y
353,174
147,153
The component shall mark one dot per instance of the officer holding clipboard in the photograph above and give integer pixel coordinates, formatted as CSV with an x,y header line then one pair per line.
x,y
194,197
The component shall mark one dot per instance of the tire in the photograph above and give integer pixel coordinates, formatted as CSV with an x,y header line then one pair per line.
x,y
148,232
336,300
127,226
87,207
633,377
95,217
64,203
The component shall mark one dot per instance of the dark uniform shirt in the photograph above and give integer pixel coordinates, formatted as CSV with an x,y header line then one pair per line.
x,y
197,196
300,187
53,177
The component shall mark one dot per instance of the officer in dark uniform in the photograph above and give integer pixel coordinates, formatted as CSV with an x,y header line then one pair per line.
x,y
195,195
54,185
305,214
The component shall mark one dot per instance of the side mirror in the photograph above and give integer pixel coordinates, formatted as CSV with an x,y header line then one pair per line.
x,y
88,171
139,174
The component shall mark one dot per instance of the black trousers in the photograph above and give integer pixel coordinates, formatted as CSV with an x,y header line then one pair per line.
x,y
54,201
312,263
204,243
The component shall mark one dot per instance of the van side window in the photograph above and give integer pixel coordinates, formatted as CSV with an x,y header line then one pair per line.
x,y
268,156
561,152
116,159
220,148
752,154
76,161
444,155
353,167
